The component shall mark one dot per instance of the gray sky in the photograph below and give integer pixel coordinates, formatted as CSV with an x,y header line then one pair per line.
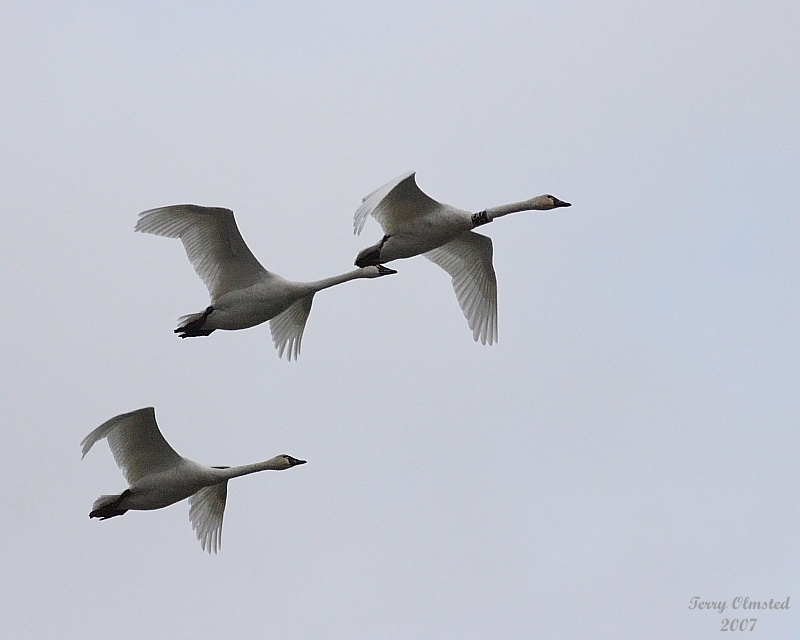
x,y
630,443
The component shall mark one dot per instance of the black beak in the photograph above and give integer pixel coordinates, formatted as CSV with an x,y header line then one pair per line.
x,y
385,271
561,203
295,461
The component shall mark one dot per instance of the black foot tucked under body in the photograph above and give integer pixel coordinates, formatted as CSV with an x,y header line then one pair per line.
x,y
194,328
110,510
371,256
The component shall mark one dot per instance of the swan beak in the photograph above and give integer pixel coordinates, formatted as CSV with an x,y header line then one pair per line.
x,y
560,203
294,461
385,271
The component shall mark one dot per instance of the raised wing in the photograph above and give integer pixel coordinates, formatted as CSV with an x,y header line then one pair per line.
x,y
213,244
394,203
468,260
138,447
288,326
206,508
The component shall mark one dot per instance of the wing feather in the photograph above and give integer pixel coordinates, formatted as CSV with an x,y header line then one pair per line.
x,y
213,244
136,443
206,508
288,326
468,260
394,203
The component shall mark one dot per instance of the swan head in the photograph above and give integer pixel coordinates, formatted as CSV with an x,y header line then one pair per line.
x,y
547,202
283,461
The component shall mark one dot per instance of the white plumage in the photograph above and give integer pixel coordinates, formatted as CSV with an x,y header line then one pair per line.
x,y
414,223
243,293
158,476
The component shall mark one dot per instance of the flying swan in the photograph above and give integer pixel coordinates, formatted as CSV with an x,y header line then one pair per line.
x,y
243,293
159,477
414,223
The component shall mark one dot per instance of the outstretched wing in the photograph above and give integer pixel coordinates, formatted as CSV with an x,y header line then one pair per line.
x,y
206,508
394,203
213,244
468,260
138,447
288,326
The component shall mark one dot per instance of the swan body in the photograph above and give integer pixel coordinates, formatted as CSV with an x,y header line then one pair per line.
x,y
414,223
158,476
243,293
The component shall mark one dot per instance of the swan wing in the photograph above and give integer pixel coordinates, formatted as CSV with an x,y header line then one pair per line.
x,y
136,443
206,508
468,260
394,203
213,244
287,327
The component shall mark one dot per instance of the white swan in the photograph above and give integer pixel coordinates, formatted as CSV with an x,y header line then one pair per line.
x,y
159,477
414,223
243,293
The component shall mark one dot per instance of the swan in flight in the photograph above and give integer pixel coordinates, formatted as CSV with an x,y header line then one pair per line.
x,y
243,293
414,223
159,477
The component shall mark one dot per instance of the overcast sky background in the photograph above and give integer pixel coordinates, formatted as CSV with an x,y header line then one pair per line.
x,y
631,441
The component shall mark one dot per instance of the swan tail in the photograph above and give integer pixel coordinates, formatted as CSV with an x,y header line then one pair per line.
x,y
191,326
106,507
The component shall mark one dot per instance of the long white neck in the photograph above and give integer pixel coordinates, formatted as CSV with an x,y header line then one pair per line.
x,y
526,205
539,203
273,464
319,285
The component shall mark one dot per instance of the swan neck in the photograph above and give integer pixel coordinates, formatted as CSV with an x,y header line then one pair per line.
x,y
318,285
505,209
247,469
